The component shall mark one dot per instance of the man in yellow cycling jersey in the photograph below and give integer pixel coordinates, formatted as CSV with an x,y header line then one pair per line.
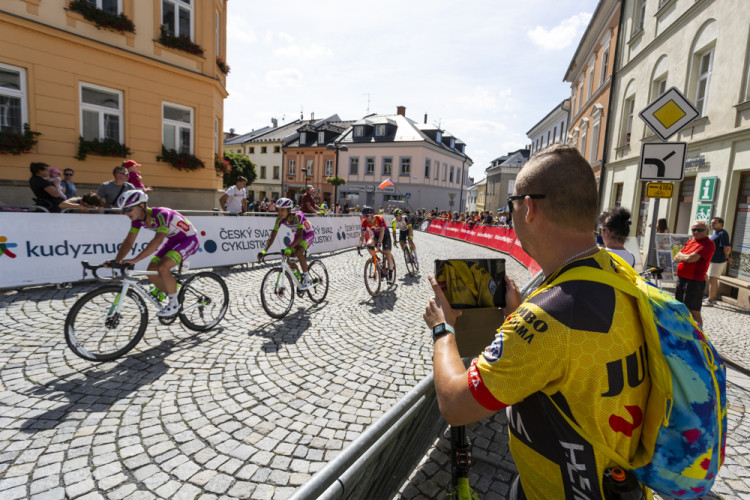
x,y
576,347
465,284
402,223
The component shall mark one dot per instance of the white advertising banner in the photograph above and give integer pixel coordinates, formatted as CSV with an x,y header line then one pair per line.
x,y
48,248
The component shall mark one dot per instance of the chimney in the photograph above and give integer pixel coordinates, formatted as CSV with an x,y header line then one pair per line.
x,y
231,131
274,122
312,116
401,110
425,118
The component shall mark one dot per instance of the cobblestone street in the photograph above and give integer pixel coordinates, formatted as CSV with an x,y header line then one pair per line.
x,y
255,407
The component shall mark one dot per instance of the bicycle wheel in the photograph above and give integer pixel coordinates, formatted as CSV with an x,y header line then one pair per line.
x,y
409,262
204,298
372,277
318,281
277,293
96,334
415,260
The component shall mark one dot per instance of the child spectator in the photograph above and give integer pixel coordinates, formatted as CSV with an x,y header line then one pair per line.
x,y
134,176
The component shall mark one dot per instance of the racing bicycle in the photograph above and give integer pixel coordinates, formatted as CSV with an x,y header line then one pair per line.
x,y
278,288
375,270
111,319
411,260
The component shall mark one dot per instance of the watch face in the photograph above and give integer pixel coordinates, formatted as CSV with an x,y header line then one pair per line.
x,y
438,330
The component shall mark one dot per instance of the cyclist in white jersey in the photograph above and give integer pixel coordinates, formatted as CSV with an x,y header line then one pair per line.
x,y
402,223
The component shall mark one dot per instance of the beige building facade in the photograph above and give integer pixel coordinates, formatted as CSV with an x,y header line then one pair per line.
x,y
703,49
67,79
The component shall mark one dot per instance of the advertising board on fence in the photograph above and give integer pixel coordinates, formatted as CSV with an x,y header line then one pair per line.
x,y
48,248
498,238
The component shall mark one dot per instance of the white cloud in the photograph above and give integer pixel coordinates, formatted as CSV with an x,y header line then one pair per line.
x,y
485,98
303,51
286,77
239,29
569,31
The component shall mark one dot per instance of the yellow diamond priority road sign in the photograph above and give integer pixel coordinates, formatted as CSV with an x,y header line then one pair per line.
x,y
669,113
659,189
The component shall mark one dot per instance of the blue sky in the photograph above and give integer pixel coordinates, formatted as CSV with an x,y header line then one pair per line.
x,y
486,71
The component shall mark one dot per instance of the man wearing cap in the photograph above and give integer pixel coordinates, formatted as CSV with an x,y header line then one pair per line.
x,y
308,202
110,191
134,176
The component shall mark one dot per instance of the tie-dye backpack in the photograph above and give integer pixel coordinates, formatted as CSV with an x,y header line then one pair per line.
x,y
684,429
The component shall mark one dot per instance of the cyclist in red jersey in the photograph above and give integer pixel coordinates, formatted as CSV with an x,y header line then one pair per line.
x,y
376,224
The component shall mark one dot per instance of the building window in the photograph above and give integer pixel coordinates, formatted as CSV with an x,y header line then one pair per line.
x,y
458,175
263,149
303,138
580,96
453,143
177,17
13,104
321,137
329,168
101,113
369,165
437,170
627,120
177,128
405,166
639,15
584,137
262,171
276,172
439,136
618,195
590,82
292,166
427,163
387,165
277,149
450,177
252,150
109,6
659,87
604,65
309,168
359,131
549,134
594,154
445,171
705,67
554,134
218,27
216,136
380,130
354,165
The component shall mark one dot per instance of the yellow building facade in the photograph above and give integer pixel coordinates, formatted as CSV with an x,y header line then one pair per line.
x,y
68,78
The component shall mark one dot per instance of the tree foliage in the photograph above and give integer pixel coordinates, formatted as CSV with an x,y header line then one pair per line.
x,y
241,166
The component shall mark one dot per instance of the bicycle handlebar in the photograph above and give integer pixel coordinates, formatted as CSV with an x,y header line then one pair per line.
x,y
115,266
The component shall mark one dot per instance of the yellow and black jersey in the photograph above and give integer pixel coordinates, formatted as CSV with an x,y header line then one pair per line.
x,y
581,345
466,284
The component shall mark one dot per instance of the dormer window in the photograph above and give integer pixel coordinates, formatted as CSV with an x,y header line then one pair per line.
x,y
359,131
439,136
321,137
380,130
303,138
453,143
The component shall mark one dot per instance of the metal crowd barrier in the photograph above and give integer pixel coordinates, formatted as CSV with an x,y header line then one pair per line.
x,y
380,460
22,208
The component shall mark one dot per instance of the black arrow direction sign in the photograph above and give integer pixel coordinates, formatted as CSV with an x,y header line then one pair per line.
x,y
659,164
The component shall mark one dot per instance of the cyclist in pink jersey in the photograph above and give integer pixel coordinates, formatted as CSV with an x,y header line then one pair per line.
x,y
175,239
304,235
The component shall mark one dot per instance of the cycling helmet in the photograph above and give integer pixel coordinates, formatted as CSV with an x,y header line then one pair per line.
x,y
398,211
366,210
284,203
132,198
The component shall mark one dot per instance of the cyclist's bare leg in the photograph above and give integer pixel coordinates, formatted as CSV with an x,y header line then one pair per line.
x,y
411,245
300,254
389,257
164,281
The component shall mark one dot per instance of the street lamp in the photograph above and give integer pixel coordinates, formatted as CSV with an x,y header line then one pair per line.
x,y
304,180
337,147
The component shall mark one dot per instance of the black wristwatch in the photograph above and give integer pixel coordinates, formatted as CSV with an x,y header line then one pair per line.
x,y
440,330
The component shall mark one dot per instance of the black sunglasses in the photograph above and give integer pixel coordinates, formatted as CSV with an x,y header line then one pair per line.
x,y
127,210
515,197
697,230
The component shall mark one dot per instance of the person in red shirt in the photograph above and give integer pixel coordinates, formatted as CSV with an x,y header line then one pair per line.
x,y
694,259
308,202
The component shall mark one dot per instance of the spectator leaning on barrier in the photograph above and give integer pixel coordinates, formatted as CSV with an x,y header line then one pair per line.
x,y
110,191
722,252
308,202
615,231
691,271
46,193
87,203
562,345
67,183
234,199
